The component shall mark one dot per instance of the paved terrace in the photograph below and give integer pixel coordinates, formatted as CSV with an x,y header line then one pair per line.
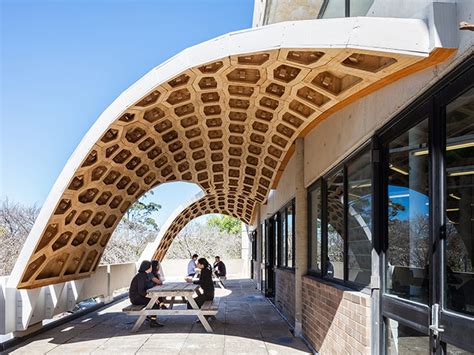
x,y
246,324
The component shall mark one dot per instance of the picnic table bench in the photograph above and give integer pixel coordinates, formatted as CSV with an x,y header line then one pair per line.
x,y
219,281
174,290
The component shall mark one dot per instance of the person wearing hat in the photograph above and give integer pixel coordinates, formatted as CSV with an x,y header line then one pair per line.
x,y
138,290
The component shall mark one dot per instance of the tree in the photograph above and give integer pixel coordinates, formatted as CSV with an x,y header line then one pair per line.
x,y
138,216
16,222
136,229
226,224
206,240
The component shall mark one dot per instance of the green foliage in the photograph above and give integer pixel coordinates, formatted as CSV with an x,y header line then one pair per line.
x,y
226,224
138,216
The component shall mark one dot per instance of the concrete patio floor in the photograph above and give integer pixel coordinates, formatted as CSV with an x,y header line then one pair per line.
x,y
247,323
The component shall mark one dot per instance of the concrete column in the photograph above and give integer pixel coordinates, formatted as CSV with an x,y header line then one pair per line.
x,y
245,255
301,238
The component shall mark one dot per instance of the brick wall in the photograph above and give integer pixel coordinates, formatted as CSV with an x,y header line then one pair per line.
x,y
336,320
285,293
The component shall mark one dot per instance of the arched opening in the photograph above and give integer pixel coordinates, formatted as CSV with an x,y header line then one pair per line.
x,y
144,219
208,236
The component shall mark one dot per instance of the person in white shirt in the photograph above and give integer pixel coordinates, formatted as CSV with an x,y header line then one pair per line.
x,y
192,265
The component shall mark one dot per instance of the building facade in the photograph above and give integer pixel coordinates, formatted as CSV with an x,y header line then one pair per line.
x,y
381,257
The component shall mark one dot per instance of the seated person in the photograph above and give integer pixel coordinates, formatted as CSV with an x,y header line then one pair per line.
x,y
205,281
138,290
154,279
192,265
219,268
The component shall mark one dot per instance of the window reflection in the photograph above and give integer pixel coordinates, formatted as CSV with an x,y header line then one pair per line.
x,y
408,215
315,227
283,236
453,350
459,197
289,226
359,215
403,340
335,226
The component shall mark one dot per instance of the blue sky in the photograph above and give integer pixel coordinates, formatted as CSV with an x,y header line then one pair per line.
x,y
64,61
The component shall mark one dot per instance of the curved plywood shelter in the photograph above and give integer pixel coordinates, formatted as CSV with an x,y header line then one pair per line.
x,y
223,114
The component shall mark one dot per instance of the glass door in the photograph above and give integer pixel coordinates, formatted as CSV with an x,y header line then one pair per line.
x,y
407,245
456,259
428,222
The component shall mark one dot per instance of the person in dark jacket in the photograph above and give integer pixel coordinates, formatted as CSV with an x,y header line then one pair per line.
x,y
219,267
138,289
205,281
153,277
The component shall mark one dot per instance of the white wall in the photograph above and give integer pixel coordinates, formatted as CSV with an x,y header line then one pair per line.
x,y
176,269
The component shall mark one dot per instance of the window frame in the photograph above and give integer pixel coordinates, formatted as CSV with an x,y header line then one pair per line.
x,y
370,147
282,214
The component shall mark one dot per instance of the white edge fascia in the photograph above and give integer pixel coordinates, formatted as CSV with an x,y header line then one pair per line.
x,y
405,36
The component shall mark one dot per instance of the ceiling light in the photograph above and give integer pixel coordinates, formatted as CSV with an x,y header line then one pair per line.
x,y
400,196
460,146
398,170
452,209
361,186
449,147
454,196
461,173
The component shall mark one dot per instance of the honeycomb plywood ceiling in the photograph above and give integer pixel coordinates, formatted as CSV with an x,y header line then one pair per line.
x,y
224,115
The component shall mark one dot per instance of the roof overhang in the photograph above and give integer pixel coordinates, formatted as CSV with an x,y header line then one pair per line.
x,y
223,114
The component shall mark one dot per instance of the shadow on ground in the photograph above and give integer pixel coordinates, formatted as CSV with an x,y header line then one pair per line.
x,y
246,324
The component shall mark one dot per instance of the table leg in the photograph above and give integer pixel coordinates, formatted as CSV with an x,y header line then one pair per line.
x,y
201,317
141,318
171,302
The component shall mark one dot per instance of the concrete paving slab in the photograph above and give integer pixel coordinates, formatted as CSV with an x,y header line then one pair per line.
x,y
246,324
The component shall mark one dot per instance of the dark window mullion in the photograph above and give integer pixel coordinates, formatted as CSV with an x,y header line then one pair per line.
x,y
310,228
293,233
436,197
285,239
345,229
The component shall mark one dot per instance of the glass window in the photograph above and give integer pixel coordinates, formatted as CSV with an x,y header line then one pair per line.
x,y
408,215
289,235
315,233
283,238
459,197
335,226
276,240
403,340
360,7
263,240
334,9
359,218
453,350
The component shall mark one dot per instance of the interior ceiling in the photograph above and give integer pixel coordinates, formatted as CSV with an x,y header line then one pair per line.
x,y
227,125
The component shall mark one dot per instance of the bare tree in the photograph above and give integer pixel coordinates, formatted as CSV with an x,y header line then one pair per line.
x,y
136,229
207,240
16,222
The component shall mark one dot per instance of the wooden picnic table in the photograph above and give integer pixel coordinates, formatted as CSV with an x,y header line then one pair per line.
x,y
173,290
